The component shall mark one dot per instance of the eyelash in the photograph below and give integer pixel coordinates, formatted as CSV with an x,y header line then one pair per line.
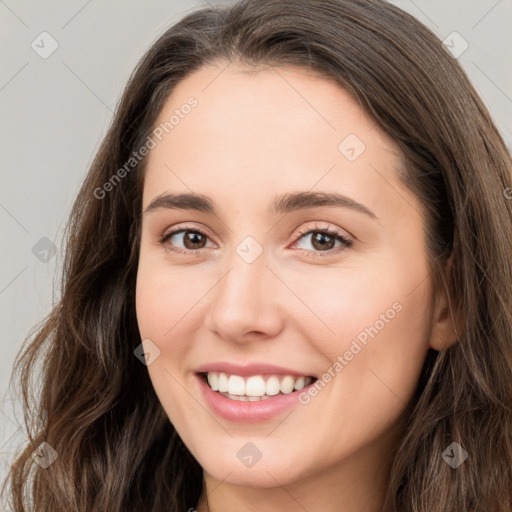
x,y
346,243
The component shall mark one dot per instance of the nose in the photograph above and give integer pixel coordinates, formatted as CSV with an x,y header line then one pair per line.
x,y
247,301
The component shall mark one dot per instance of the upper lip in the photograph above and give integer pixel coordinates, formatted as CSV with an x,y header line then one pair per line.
x,y
250,369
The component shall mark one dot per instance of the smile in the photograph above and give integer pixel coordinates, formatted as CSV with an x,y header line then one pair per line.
x,y
255,387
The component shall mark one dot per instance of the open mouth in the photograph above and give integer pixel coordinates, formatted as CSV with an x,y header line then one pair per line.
x,y
255,388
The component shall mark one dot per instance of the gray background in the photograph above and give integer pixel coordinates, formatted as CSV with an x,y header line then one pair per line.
x,y
55,111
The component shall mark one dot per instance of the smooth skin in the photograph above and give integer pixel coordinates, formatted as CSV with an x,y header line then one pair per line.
x,y
255,134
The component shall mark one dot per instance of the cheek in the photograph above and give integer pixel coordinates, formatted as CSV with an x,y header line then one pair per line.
x,y
373,327
343,304
169,308
381,363
151,303
160,304
162,296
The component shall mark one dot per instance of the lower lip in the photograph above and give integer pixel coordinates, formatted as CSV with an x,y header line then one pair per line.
x,y
245,411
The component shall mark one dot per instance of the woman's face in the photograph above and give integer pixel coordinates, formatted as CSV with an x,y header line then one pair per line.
x,y
250,279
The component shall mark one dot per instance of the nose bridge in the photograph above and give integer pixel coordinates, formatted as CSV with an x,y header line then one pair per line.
x,y
244,299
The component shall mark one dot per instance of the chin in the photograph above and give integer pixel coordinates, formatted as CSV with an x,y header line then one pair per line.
x,y
267,472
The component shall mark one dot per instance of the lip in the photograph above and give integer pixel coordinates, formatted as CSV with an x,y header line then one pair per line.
x,y
247,412
250,369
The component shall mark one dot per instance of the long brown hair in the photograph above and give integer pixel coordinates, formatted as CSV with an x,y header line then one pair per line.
x,y
93,402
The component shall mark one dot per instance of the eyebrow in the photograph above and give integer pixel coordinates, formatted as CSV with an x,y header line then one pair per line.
x,y
284,203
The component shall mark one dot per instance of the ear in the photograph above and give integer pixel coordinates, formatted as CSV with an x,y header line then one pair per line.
x,y
447,321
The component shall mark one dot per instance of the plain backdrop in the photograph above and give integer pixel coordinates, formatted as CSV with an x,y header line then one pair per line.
x,y
55,109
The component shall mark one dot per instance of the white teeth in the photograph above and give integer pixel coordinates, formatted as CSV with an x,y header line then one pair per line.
x,y
255,387
236,385
223,381
287,384
272,387
213,380
300,383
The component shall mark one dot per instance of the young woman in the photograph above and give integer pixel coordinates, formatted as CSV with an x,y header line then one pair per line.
x,y
288,282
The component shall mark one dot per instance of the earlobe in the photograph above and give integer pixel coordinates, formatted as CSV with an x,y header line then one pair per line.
x,y
447,319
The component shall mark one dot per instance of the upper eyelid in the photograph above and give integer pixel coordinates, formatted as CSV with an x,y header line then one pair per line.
x,y
179,229
316,227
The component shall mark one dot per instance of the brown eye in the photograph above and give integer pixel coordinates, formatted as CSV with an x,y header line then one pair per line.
x,y
190,239
323,240
194,240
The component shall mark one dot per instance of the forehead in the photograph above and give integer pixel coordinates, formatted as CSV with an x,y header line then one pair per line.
x,y
287,102
278,128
